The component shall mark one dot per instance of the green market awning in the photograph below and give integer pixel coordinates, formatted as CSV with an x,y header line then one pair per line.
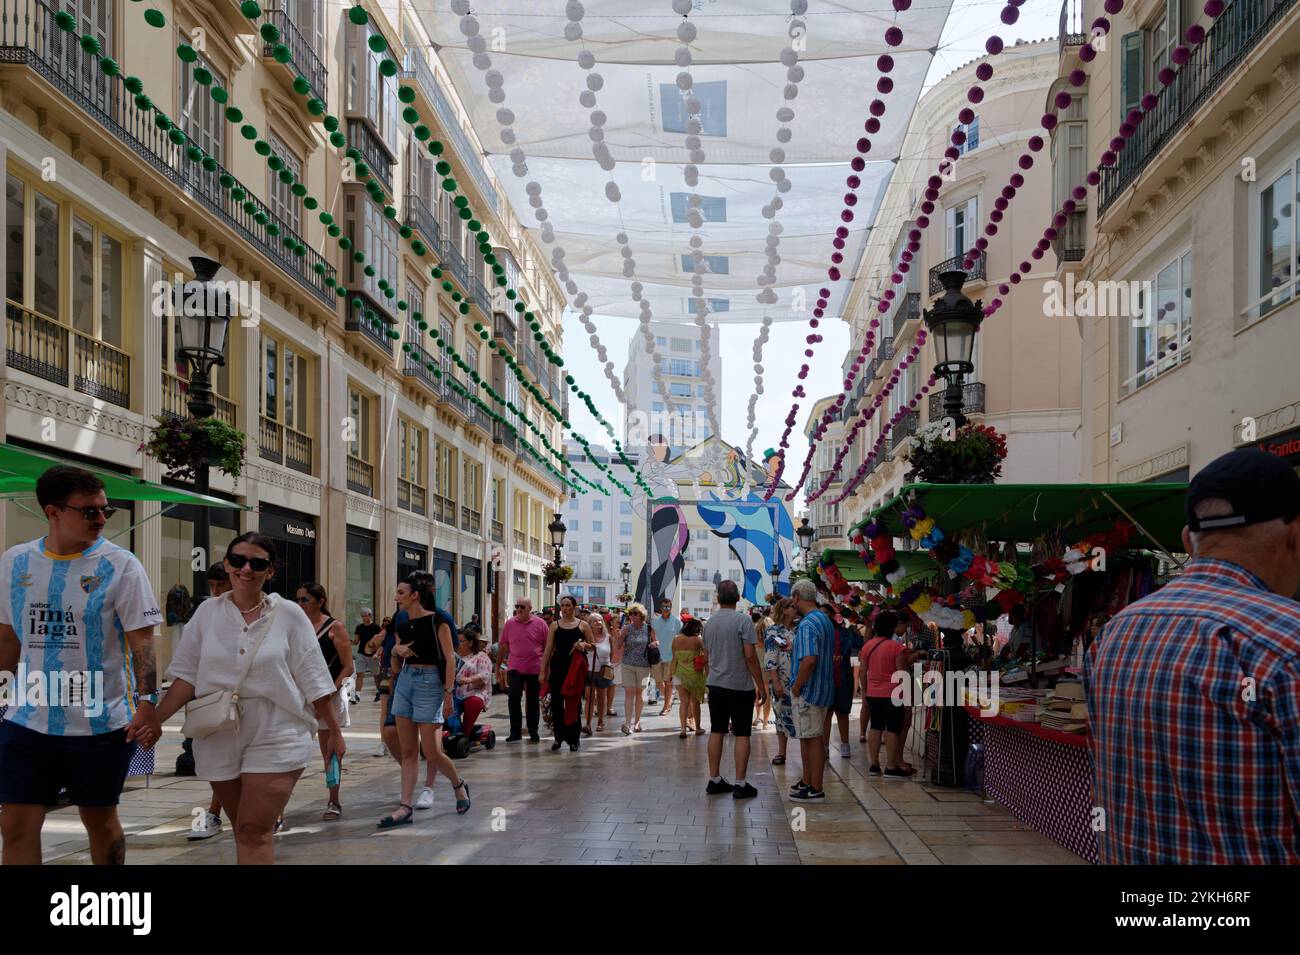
x,y
19,469
1023,512
853,569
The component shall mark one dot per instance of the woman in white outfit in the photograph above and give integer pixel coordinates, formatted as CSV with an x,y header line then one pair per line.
x,y
287,688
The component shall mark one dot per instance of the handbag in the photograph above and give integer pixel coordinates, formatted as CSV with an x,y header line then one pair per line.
x,y
698,661
220,710
652,654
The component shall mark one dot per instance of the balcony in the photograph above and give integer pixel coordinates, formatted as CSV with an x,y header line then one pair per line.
x,y
175,395
828,531
304,60
471,159
1071,32
477,418
503,436
530,361
366,332
519,540
884,355
904,429
454,262
281,444
481,296
373,151
421,218
48,349
498,532
504,330
1071,240
453,397
410,497
28,35
471,521
972,400
908,309
949,265
1227,43
415,364
361,476
535,547
829,478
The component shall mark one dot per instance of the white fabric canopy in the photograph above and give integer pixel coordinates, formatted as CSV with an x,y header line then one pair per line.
x,y
633,104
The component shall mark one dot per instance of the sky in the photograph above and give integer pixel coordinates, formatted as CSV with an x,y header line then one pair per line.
x,y
970,23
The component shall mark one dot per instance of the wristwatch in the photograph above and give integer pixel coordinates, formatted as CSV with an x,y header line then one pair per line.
x,y
149,698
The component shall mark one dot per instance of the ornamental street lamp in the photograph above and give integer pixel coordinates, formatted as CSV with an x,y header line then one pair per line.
x,y
626,571
202,333
805,533
557,529
953,321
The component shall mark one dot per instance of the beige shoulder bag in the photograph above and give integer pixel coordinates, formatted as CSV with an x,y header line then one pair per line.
x,y
214,712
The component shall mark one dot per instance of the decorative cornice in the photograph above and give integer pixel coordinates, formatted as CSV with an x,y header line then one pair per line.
x,y
1270,423
66,408
289,480
1168,460
413,528
366,506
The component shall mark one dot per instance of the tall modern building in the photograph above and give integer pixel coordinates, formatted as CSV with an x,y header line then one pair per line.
x,y
363,464
600,532
682,416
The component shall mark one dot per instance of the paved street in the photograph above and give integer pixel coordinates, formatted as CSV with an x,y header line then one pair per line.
x,y
619,800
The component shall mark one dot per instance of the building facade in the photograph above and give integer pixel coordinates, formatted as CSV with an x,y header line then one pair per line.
x,y
362,463
1197,216
1027,364
684,416
825,516
599,532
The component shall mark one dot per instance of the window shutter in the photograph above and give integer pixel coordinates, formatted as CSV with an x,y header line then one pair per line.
x,y
1130,67
950,225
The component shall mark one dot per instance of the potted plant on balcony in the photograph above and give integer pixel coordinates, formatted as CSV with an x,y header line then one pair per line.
x,y
973,455
554,573
182,445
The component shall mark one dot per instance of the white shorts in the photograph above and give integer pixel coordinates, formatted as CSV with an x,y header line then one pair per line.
x,y
634,676
341,705
269,740
809,720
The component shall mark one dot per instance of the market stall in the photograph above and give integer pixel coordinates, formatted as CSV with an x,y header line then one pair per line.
x,y
1061,559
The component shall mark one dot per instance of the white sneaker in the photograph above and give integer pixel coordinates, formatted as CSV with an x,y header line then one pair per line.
x,y
354,699
210,827
382,751
425,799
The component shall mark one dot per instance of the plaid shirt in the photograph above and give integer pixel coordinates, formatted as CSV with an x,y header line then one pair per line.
x,y
1194,697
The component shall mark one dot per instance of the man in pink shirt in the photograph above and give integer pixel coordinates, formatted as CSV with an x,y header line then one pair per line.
x,y
523,640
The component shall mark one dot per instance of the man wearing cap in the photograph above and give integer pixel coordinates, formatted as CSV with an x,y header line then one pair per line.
x,y
1194,691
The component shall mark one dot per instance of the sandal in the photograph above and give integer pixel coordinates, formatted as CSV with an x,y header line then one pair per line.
x,y
611,713
626,730
600,726
462,805
391,821
778,760
682,735
636,728
586,731
332,812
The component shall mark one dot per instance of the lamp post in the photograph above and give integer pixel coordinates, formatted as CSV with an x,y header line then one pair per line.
x,y
953,321
202,345
557,529
626,571
805,533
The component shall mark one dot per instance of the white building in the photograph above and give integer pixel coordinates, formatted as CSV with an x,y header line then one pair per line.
x,y
598,540
683,416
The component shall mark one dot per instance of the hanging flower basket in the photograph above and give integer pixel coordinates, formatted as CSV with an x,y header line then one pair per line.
x,y
973,456
554,573
183,445
625,598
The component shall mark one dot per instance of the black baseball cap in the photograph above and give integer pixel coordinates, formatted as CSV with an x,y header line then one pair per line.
x,y
1259,486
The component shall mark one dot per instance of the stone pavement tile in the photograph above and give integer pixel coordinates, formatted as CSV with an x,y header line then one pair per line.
x,y
873,850
921,858
678,856
955,795
606,827
1007,837
602,853
889,821
932,824
989,822
722,857
636,855
906,841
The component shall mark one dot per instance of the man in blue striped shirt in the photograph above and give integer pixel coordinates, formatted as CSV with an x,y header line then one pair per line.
x,y
812,686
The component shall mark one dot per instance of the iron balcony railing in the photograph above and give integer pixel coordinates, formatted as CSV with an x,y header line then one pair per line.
x,y
530,361
972,400
416,67
284,445
366,330
948,265
503,436
361,476
304,60
471,521
455,263
1071,240
415,364
471,159
498,532
456,398
51,350
908,309
1227,42
410,496
481,295
505,330
829,478
884,355
519,539
372,150
421,218
1071,31
905,428
28,34
828,531
446,510
175,395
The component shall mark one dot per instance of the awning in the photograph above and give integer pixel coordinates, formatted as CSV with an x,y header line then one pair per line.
x,y
917,565
19,469
1023,512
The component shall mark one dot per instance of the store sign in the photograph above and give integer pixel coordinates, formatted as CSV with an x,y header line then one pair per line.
x,y
1285,445
412,556
296,530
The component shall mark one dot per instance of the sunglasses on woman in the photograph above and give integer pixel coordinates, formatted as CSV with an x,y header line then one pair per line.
x,y
258,564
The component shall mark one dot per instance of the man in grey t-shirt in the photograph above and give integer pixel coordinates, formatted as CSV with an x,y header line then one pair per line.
x,y
735,682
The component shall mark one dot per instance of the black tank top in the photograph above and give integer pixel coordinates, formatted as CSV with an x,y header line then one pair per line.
x,y
327,649
565,638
